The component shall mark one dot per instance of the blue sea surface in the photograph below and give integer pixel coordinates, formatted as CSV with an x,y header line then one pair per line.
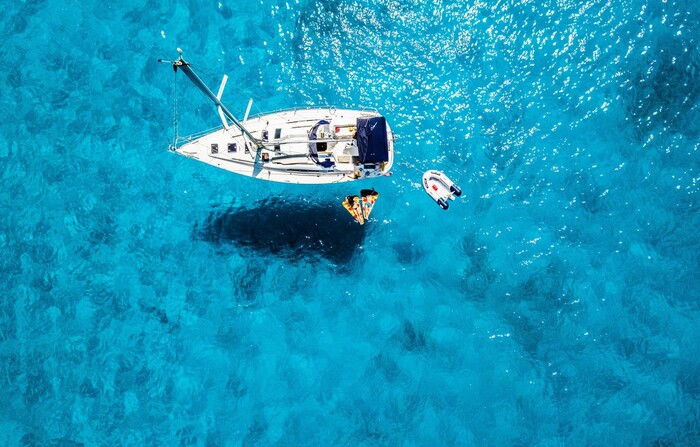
x,y
148,299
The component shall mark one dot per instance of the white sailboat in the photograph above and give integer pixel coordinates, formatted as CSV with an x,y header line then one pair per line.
x,y
302,146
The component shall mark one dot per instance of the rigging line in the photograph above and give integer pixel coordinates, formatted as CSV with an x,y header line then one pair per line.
x,y
248,92
205,72
237,92
231,88
212,77
248,140
214,107
175,109
164,131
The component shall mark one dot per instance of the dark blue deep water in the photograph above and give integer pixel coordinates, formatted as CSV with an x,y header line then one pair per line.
x,y
147,299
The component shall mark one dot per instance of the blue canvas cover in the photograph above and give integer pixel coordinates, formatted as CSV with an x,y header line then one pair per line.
x,y
313,149
372,143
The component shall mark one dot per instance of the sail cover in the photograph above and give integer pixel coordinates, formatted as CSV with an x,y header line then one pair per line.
x,y
371,140
313,145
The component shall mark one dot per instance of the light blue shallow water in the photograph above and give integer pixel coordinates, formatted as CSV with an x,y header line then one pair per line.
x,y
150,300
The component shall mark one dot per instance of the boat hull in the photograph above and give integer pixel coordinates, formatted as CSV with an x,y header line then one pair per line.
x,y
285,155
440,188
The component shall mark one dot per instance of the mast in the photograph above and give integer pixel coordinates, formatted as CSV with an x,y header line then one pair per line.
x,y
183,65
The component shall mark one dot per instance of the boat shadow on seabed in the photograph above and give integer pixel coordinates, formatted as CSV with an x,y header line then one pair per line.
x,y
299,230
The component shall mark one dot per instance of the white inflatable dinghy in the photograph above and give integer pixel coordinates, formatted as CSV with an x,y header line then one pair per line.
x,y
440,188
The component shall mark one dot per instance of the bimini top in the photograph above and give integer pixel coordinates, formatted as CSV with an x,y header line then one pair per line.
x,y
372,143
314,147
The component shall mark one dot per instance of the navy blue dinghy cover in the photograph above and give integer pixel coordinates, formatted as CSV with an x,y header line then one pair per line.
x,y
371,140
313,149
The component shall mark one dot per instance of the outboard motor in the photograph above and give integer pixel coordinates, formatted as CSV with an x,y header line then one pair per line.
x,y
443,203
454,189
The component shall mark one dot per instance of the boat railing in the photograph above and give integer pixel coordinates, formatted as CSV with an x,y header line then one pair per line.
x,y
180,140
331,110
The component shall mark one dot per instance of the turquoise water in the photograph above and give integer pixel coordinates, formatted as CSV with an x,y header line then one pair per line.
x,y
147,299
